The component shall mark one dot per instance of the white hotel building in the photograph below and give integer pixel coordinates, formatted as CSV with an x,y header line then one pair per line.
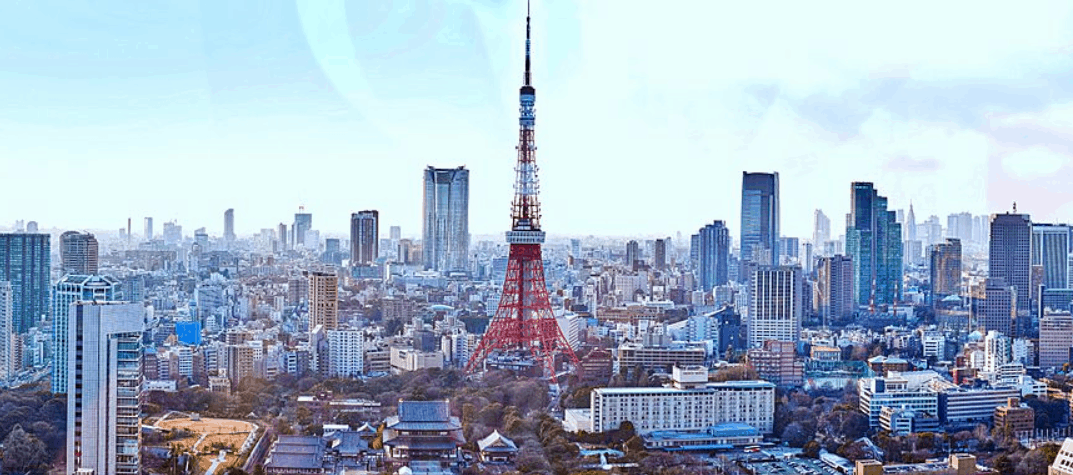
x,y
693,404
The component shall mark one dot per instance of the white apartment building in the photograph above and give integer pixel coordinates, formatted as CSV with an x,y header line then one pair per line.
x,y
775,305
996,351
934,344
103,387
702,327
346,353
693,408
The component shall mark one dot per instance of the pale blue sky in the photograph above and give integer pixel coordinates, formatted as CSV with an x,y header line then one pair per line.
x,y
647,112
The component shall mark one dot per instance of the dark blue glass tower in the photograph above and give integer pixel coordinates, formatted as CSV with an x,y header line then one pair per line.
x,y
24,261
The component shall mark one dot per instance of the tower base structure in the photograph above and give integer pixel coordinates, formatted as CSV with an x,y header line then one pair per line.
x,y
524,322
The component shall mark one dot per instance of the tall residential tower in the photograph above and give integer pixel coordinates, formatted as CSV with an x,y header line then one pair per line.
x,y
364,237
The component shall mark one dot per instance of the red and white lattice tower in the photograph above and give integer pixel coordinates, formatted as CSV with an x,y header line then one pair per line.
x,y
524,322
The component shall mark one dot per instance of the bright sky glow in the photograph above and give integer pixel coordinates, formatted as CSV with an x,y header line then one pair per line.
x,y
647,113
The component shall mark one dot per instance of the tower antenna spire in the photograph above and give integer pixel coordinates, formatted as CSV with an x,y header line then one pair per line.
x,y
527,80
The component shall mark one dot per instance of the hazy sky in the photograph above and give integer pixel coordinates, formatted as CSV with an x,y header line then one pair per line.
x,y
647,112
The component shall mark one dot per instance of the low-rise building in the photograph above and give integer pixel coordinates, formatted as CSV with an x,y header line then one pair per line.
x,y
296,455
777,362
906,421
1015,418
956,464
423,432
659,357
717,437
826,353
409,359
961,405
495,448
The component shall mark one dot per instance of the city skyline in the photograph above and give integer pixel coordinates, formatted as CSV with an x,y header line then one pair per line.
x,y
977,106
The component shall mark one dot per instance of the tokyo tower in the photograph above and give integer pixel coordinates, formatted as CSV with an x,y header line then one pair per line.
x,y
524,324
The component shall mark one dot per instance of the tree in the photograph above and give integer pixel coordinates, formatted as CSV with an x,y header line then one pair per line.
x,y
634,445
1003,464
24,453
811,449
795,434
1033,462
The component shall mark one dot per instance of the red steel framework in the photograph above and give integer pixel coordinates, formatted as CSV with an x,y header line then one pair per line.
x,y
524,322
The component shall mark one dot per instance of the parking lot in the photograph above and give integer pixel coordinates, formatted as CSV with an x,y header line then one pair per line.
x,y
790,467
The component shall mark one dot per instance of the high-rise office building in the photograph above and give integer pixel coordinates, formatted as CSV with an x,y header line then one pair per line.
x,y
323,300
303,222
821,230
396,233
148,229
1051,250
78,253
229,225
282,236
8,364
945,265
713,251
445,231
1055,340
364,237
104,364
834,297
874,242
760,218
1010,256
24,262
173,233
633,253
775,305
659,254
73,288
998,310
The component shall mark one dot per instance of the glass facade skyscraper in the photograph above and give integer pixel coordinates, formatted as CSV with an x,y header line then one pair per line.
x,y
713,255
302,222
1050,249
874,242
760,218
24,261
445,227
